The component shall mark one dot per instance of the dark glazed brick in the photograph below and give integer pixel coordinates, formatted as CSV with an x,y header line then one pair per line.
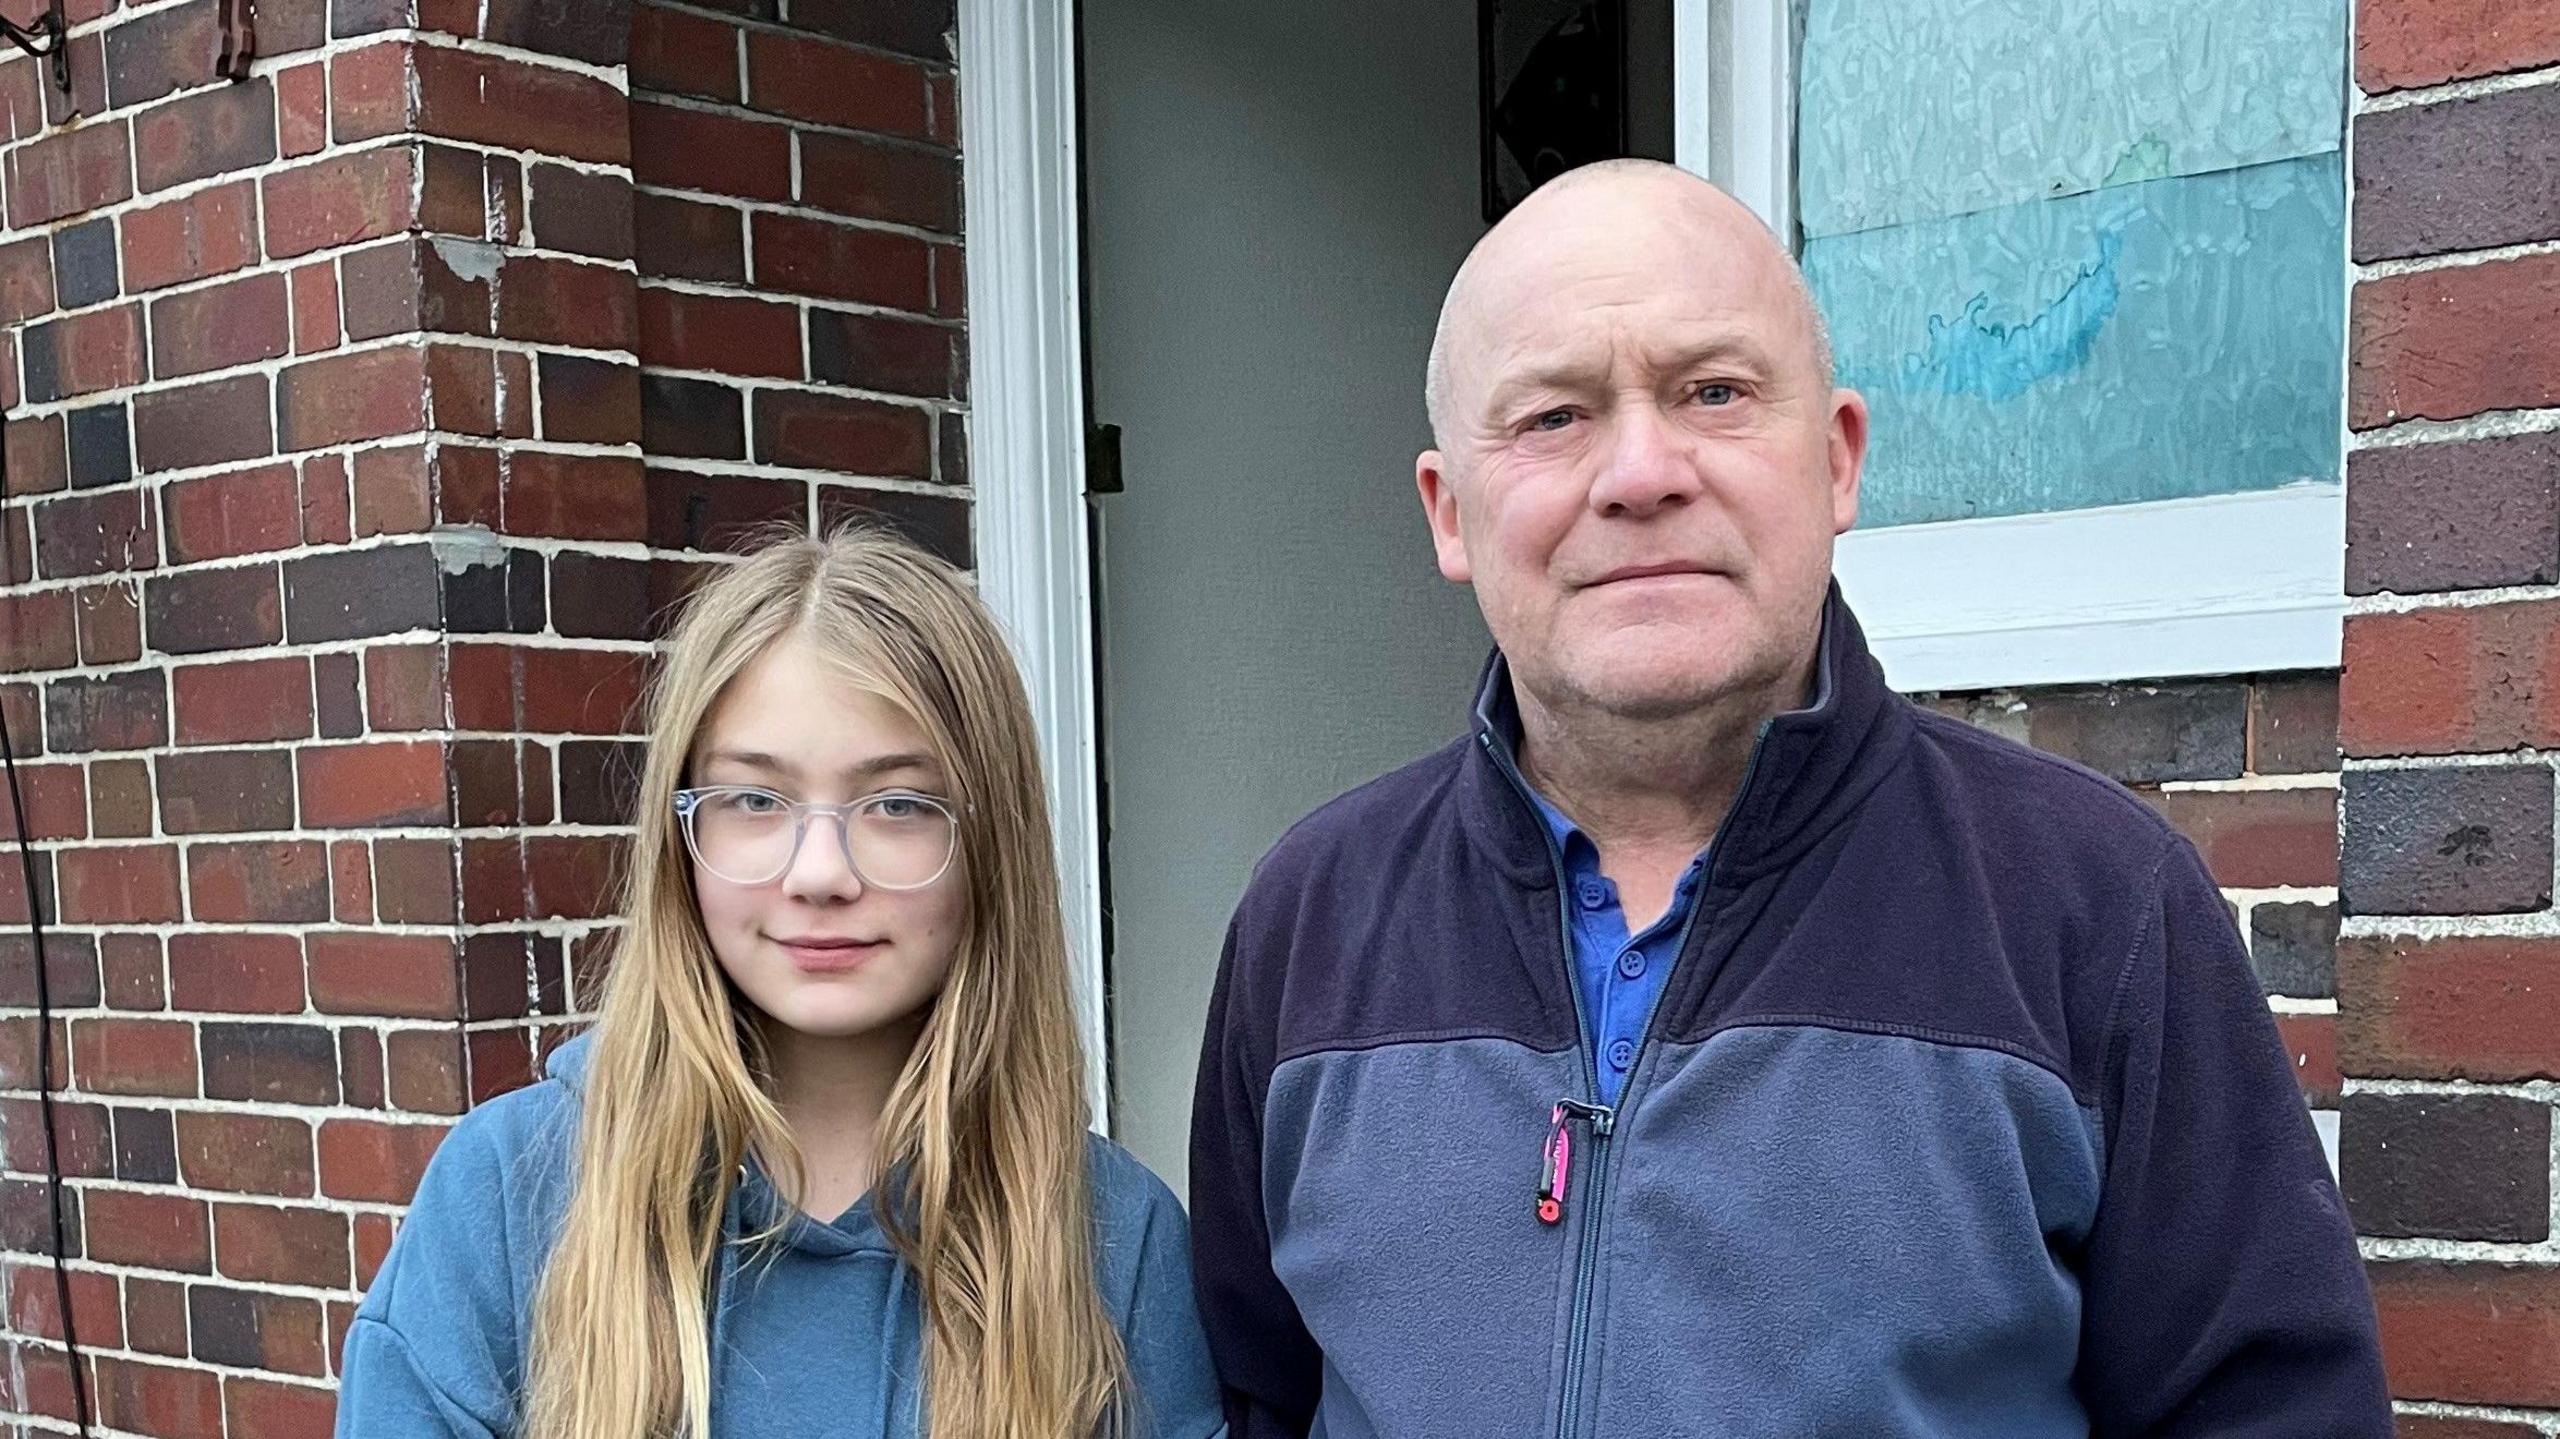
x,y
111,712
501,598
597,32
2466,840
939,525
600,597
2294,948
84,263
2466,174
598,780
920,28
146,1146
2469,515
585,401
351,594
101,445
692,419
2440,1166
272,1063
2146,734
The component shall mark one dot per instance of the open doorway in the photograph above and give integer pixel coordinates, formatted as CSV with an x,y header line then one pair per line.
x,y
1274,199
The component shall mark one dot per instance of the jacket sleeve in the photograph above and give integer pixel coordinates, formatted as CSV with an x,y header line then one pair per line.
x,y
1269,1369
2224,1295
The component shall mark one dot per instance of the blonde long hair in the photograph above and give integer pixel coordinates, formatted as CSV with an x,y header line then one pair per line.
x,y
984,1131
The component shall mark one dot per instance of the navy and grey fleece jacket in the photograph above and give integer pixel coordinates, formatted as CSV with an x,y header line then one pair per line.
x,y
1961,1114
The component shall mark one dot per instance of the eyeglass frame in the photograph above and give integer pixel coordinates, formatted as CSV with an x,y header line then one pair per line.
x,y
689,799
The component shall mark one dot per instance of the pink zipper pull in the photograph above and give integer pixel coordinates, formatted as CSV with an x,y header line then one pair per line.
x,y
1555,1169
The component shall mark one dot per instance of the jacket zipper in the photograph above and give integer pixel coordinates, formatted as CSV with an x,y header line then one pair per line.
x,y
1601,1119
1559,1137
1603,1122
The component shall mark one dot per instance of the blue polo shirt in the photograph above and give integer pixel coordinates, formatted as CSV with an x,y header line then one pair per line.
x,y
1619,975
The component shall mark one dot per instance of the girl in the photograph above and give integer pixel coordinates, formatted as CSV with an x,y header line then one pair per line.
x,y
820,1167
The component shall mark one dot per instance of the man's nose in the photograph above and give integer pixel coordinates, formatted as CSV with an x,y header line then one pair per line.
x,y
1644,466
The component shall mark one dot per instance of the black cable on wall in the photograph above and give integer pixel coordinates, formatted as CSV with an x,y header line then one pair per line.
x,y
44,1078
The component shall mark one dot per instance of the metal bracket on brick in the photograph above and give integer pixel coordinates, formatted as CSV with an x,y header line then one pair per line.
x,y
239,39
47,37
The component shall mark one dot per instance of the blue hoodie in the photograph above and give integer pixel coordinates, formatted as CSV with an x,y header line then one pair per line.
x,y
820,1334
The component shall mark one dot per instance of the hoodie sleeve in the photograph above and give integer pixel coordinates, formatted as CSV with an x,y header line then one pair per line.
x,y
389,1391
435,1350
1268,1365
2224,1293
1147,1259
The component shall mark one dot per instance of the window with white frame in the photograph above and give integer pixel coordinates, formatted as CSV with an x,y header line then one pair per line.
x,y
2087,263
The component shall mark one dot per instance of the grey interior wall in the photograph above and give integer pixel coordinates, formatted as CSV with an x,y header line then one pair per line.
x,y
1277,196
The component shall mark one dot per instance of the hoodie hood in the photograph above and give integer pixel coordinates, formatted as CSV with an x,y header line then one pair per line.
x,y
754,1204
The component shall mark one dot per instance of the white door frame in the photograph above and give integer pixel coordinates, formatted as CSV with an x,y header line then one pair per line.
x,y
1019,173
1026,432
1733,91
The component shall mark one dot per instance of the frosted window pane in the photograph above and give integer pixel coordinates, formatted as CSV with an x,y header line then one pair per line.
x,y
2150,341
1919,109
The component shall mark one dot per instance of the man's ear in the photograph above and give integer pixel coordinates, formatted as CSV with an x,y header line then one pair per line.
x,y
1440,507
1848,456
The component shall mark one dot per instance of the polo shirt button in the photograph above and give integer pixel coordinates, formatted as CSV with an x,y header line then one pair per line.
x,y
1631,964
1622,1053
1593,893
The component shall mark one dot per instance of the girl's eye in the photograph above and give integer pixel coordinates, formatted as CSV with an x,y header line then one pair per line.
x,y
756,801
1717,394
900,806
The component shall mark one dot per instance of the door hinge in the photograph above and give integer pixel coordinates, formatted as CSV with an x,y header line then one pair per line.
x,y
1102,460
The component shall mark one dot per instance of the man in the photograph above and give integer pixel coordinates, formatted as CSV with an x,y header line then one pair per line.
x,y
1714,1042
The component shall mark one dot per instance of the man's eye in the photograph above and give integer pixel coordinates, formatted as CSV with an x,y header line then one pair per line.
x,y
1717,394
1552,420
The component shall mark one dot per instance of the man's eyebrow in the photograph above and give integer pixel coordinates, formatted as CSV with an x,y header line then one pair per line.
x,y
1741,348
1564,376
1575,376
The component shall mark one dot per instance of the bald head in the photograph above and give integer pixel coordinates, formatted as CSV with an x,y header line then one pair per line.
x,y
1633,203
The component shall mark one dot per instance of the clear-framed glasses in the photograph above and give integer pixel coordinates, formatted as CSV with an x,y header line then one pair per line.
x,y
745,834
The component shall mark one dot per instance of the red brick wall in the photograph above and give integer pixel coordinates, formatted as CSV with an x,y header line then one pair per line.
x,y
2449,974
799,221
363,417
